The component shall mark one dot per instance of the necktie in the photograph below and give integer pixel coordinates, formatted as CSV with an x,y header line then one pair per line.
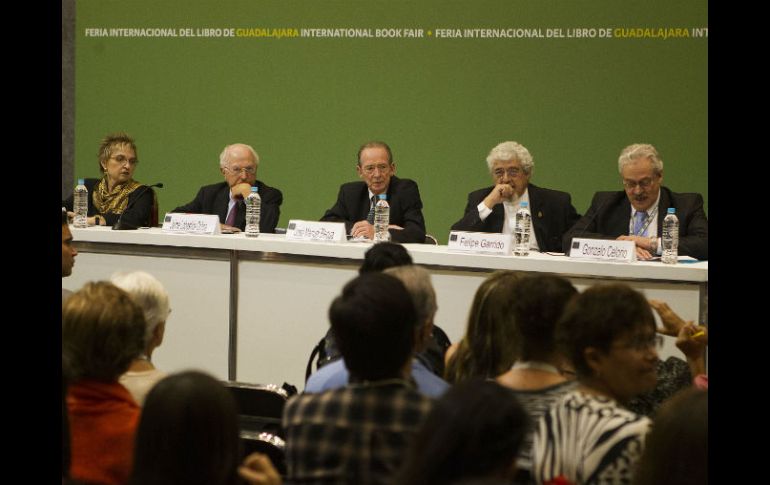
x,y
370,217
639,219
230,221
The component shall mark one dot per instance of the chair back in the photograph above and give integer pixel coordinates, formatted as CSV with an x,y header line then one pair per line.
x,y
260,407
431,240
268,444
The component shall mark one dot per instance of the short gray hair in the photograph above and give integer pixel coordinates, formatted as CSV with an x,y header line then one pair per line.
x,y
417,281
223,159
510,150
637,151
148,293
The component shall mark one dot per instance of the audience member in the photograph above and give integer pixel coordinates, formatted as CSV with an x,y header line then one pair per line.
x,y
676,450
381,256
152,298
674,374
493,208
102,333
474,431
536,377
608,332
188,435
238,164
384,255
488,348
637,213
355,202
358,434
417,281
116,195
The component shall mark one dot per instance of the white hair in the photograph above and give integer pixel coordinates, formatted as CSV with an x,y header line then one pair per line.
x,y
223,158
510,150
640,151
148,293
418,283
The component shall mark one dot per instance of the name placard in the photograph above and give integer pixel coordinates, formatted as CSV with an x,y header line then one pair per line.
x,y
300,230
179,223
603,250
480,242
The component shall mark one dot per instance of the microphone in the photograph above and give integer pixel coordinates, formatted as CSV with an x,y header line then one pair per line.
x,y
584,229
121,225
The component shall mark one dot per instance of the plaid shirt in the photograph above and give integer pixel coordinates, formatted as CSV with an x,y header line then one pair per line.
x,y
355,435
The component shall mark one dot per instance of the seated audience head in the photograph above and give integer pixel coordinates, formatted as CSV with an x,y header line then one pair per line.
x,y
151,297
489,346
375,166
641,171
510,163
475,430
117,158
68,251
373,321
676,450
102,331
417,281
238,163
384,255
608,333
537,305
187,434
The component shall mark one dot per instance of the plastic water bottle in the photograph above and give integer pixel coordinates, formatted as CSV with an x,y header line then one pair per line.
x,y
80,205
670,239
253,208
522,231
381,219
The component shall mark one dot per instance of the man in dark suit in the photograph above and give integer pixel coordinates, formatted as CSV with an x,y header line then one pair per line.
x,y
238,164
493,209
637,213
376,168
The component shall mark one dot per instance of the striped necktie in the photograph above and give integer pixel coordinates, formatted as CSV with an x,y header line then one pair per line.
x,y
639,219
370,216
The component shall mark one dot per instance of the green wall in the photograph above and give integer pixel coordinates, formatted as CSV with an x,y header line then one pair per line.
x,y
306,104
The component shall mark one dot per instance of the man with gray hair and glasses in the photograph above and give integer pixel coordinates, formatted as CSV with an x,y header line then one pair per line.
x,y
238,164
493,209
636,213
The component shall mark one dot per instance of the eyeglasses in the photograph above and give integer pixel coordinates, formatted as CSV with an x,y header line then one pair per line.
x,y
121,159
369,169
512,172
645,183
238,171
643,343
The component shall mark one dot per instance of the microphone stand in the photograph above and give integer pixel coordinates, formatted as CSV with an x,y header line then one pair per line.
x,y
120,224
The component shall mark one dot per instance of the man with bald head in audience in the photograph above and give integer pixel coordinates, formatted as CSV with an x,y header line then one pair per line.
x,y
238,164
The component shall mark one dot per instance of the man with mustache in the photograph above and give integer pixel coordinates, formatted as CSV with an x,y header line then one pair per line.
x,y
636,214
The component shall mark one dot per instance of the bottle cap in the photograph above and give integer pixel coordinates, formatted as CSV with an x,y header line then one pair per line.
x,y
524,205
81,181
382,196
254,189
671,210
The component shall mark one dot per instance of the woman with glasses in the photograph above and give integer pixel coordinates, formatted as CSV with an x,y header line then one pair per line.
x,y
116,195
588,436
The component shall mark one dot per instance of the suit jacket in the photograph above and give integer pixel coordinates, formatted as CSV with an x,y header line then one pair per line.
x,y
213,199
552,215
405,208
610,212
138,207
